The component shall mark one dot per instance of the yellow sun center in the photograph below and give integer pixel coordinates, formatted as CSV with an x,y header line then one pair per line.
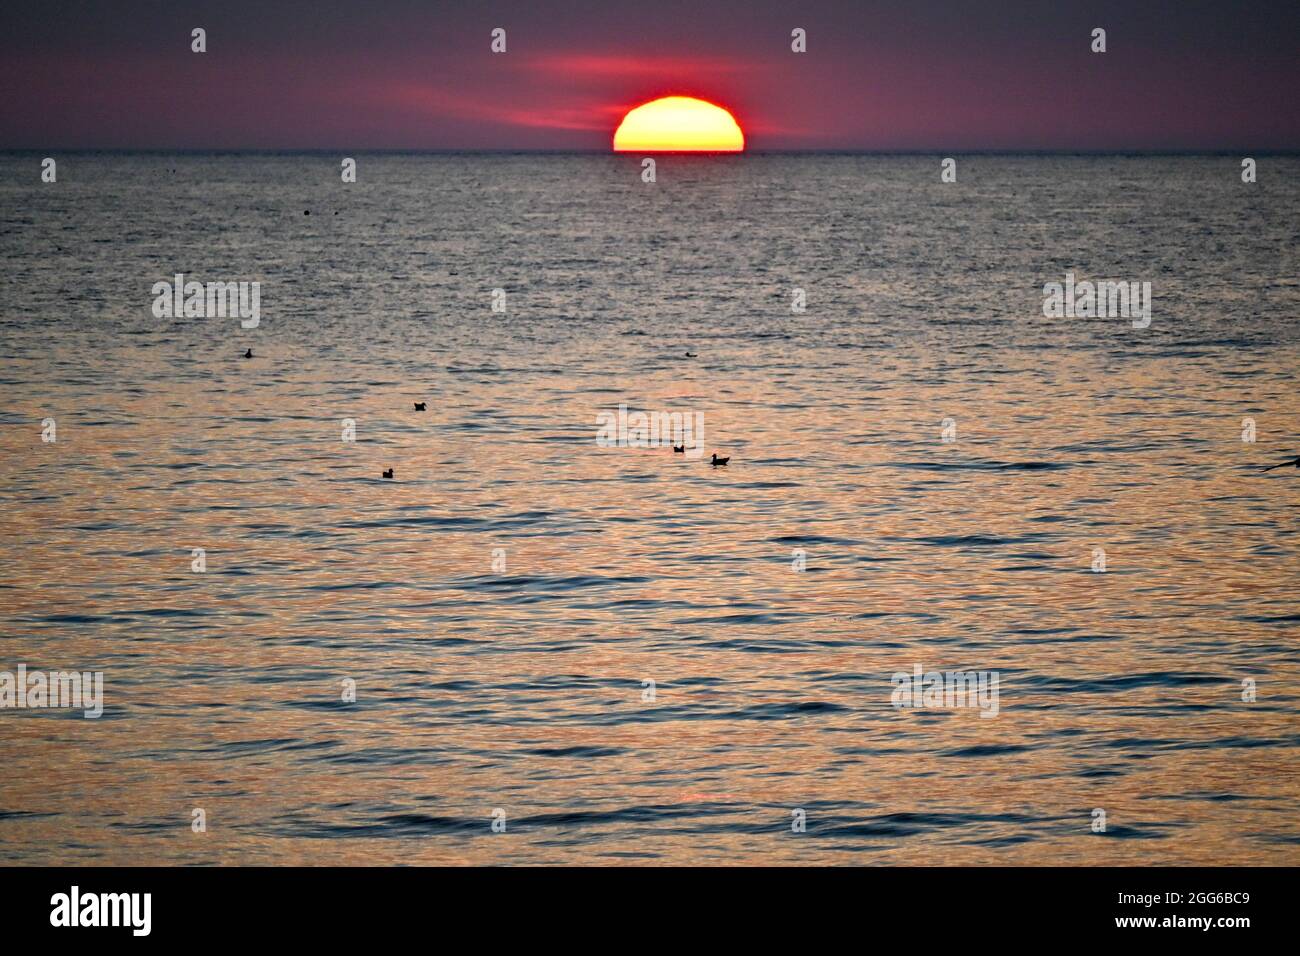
x,y
679,124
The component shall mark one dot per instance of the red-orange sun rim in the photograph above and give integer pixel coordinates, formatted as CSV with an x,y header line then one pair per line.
x,y
679,124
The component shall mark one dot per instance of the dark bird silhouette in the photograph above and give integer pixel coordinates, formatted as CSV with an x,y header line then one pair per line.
x,y
306,212
248,354
719,461
680,449
419,406
1284,464
692,355
388,473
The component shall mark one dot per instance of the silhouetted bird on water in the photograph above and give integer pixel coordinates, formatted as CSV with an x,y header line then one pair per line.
x,y
248,354
680,449
719,461
419,406
1284,464
692,355
388,473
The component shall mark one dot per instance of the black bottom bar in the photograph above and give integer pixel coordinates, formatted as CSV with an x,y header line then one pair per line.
x,y
336,906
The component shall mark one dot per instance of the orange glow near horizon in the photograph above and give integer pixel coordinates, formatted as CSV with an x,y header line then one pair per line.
x,y
679,124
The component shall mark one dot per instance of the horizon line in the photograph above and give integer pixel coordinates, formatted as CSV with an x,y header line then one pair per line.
x,y
485,151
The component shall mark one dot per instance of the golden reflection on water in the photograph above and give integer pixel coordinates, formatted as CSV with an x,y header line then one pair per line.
x,y
467,700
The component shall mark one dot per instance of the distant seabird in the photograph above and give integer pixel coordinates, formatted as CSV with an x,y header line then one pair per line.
x,y
680,449
419,406
719,461
248,354
388,473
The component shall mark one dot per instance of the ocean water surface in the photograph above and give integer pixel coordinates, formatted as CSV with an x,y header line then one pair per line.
x,y
523,687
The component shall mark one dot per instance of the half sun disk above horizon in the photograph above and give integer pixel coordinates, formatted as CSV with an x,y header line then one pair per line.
x,y
679,124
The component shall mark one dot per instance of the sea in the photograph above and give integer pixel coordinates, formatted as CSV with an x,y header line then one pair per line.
x,y
535,645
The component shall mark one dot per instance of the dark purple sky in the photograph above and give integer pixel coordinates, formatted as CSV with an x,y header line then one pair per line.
x,y
418,74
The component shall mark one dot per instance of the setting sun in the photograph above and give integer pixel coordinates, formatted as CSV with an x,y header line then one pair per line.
x,y
679,124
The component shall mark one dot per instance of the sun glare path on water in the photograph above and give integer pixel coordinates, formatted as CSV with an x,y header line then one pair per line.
x,y
679,124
